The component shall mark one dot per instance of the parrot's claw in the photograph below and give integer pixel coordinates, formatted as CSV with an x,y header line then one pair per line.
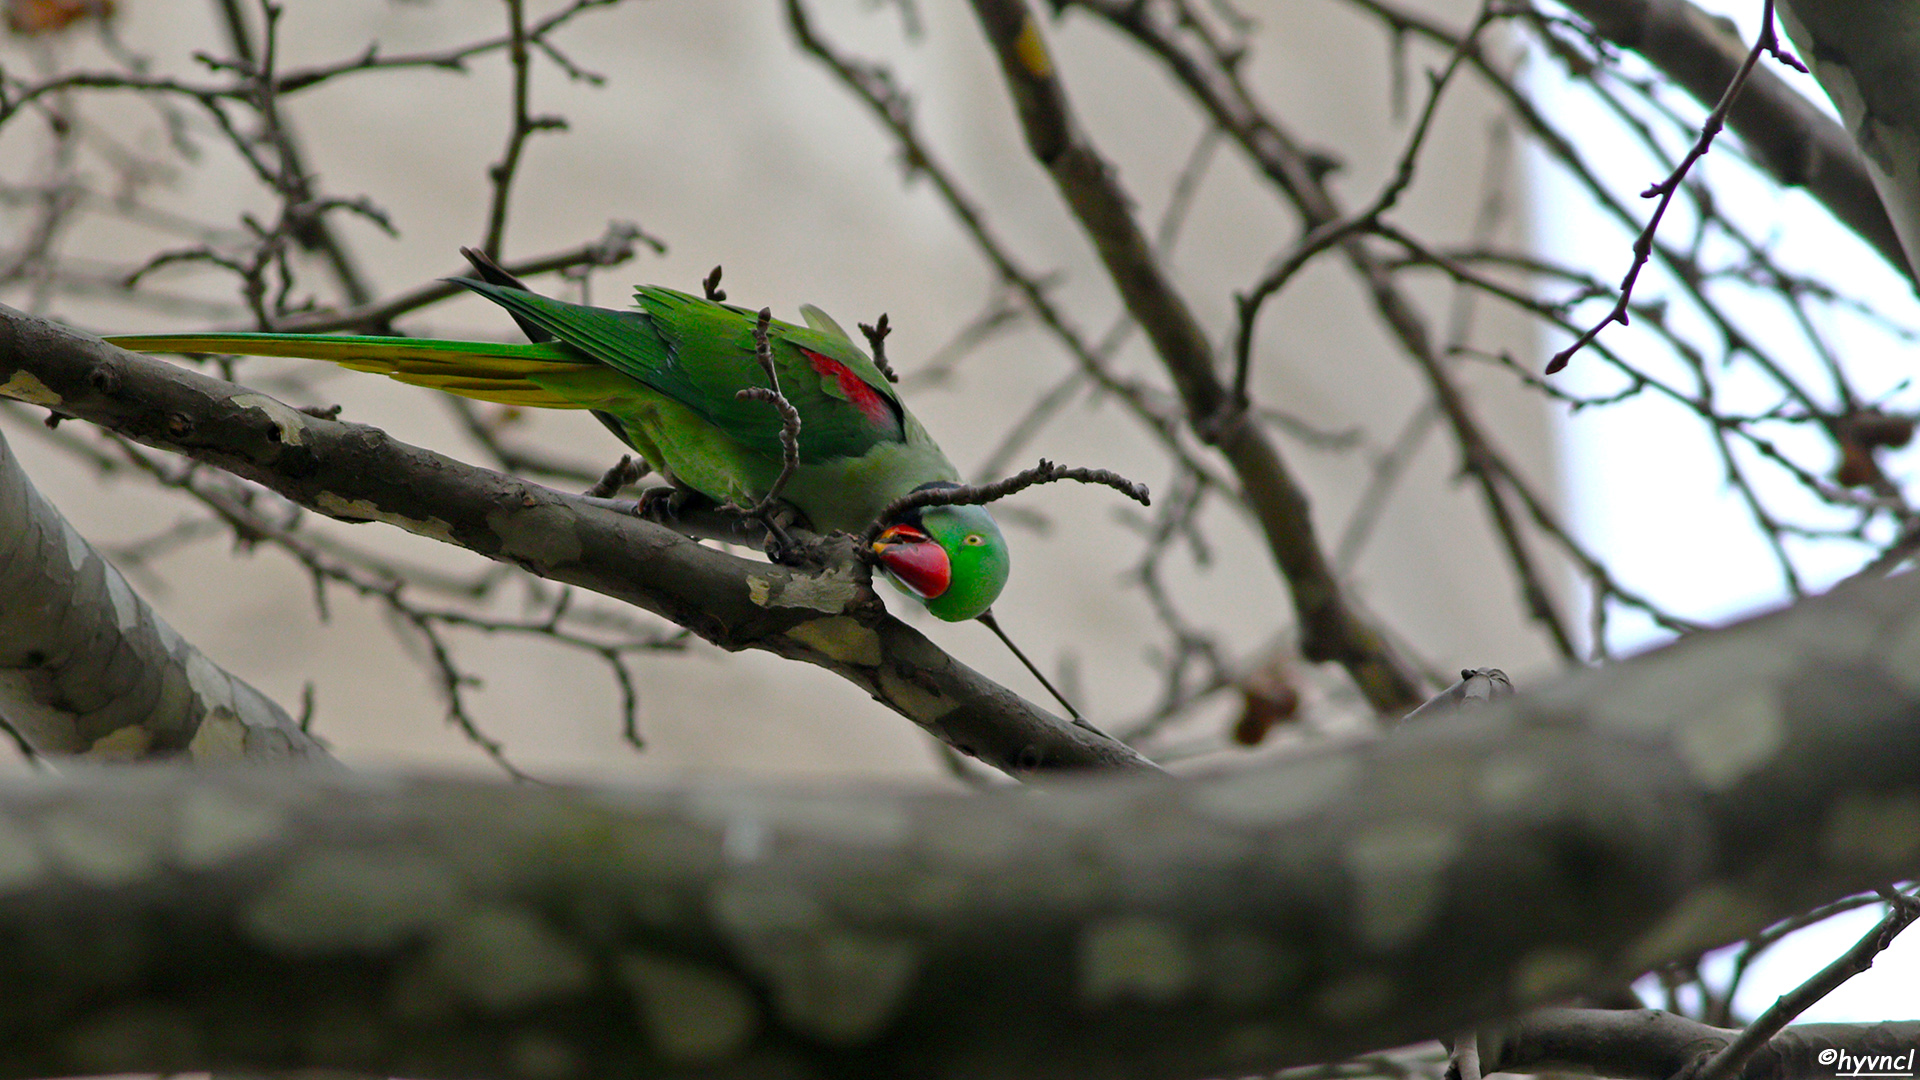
x,y
625,471
665,504
782,547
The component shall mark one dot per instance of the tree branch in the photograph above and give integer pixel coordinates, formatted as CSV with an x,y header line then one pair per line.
x,y
88,669
1330,629
1645,1044
1789,135
1369,894
1866,58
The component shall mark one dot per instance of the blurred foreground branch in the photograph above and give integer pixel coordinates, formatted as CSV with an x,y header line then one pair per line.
x,y
1367,895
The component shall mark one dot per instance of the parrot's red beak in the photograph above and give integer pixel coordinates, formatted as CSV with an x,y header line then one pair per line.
x,y
914,560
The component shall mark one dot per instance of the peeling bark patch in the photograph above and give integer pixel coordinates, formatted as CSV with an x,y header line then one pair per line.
x,y
126,607
1134,958
214,828
505,958
1278,795
1737,734
220,737
335,901
923,705
98,853
22,695
1032,51
1689,680
692,1013
544,535
129,743
21,864
78,552
1397,872
363,510
291,422
212,686
831,591
835,985
840,638
1707,916
23,386
1880,831
1549,972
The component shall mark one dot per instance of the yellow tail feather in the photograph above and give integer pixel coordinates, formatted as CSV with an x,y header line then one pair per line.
x,y
488,371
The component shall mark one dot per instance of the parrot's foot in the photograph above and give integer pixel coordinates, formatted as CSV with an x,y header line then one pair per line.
x,y
665,504
782,547
624,472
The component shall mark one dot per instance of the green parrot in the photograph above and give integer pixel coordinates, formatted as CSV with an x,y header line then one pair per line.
x,y
665,377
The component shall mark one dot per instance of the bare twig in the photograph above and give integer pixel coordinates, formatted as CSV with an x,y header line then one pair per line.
x,y
1327,234
1726,1064
979,494
789,416
877,341
1788,134
524,125
615,246
1766,43
1332,628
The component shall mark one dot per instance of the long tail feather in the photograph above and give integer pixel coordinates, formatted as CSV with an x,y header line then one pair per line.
x,y
478,369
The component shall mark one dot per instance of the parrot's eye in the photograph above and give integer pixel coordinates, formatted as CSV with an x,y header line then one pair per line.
x,y
975,540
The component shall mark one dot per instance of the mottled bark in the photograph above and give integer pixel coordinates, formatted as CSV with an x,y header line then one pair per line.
x,y
88,668
1362,896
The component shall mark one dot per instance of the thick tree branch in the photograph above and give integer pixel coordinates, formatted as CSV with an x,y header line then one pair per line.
x,y
1365,895
1867,56
348,471
1209,73
88,669
1330,629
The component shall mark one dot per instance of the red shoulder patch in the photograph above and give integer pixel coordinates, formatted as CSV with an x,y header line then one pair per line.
x,y
872,404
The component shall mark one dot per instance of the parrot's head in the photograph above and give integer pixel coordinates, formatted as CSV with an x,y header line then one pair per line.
x,y
952,558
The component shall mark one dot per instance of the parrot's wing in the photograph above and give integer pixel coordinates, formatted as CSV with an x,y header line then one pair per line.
x,y
701,354
476,369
